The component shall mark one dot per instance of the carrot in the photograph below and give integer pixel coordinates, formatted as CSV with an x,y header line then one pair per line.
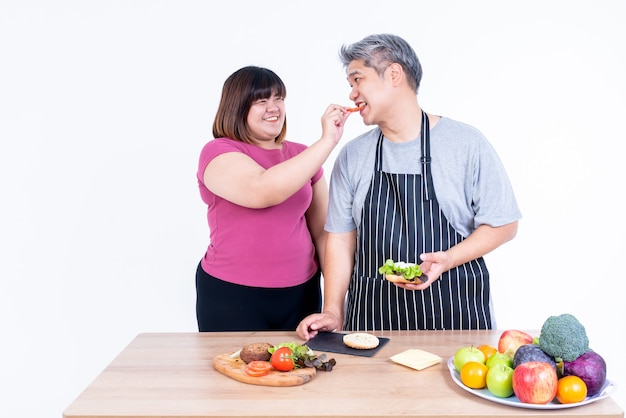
x,y
355,109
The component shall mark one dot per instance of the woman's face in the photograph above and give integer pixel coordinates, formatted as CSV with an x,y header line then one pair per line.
x,y
266,118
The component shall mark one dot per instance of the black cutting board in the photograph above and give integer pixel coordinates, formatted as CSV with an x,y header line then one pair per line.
x,y
333,342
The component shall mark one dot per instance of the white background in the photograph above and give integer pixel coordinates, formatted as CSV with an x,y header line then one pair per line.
x,y
105,105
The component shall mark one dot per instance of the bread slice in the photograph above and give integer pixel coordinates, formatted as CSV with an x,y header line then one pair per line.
x,y
361,341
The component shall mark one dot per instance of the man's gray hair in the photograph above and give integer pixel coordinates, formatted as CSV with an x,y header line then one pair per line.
x,y
381,50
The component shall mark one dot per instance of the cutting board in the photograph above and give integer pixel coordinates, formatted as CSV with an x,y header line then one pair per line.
x,y
333,342
234,368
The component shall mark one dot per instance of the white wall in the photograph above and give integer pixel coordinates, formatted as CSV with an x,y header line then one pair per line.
x,y
104,106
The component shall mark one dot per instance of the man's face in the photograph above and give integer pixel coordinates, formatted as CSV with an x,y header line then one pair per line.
x,y
369,88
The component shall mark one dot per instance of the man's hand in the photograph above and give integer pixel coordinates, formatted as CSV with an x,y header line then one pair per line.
x,y
433,266
480,242
319,322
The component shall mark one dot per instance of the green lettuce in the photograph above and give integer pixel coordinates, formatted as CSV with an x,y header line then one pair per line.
x,y
409,270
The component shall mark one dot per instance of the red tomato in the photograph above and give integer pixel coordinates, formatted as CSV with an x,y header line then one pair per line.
x,y
282,359
255,372
260,366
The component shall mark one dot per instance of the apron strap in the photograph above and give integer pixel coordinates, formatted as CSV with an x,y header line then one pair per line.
x,y
429,189
427,177
379,153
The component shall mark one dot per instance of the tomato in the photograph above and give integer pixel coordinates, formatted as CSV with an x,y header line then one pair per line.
x,y
474,374
260,366
254,373
571,389
282,359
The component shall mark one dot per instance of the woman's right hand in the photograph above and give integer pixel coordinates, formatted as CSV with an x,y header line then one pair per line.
x,y
333,121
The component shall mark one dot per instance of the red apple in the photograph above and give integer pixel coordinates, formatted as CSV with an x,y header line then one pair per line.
x,y
511,340
535,382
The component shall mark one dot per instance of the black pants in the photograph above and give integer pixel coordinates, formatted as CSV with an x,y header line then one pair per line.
x,y
224,306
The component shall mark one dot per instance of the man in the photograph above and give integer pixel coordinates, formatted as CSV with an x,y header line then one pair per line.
x,y
417,188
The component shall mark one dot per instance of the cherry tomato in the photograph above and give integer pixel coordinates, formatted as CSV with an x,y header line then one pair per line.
x,y
571,389
282,359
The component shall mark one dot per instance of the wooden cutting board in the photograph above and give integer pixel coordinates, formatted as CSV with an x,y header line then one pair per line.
x,y
234,368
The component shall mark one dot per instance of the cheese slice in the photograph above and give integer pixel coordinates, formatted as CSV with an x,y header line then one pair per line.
x,y
416,359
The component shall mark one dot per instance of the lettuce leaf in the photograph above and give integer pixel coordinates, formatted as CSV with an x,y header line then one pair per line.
x,y
409,270
303,356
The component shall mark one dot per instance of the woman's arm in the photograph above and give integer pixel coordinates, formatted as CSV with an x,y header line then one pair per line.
x,y
238,178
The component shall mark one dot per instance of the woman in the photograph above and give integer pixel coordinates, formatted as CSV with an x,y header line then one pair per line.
x,y
267,201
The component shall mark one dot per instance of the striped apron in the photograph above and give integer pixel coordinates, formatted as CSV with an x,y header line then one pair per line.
x,y
401,219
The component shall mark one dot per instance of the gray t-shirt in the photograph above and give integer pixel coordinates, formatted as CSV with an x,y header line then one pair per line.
x,y
470,181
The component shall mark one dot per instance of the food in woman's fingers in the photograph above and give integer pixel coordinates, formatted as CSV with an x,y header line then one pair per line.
x,y
402,272
356,108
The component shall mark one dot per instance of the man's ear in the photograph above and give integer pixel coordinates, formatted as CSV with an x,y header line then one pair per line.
x,y
396,73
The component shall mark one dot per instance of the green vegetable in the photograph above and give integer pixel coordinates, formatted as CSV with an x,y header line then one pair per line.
x,y
303,356
563,337
409,270
299,351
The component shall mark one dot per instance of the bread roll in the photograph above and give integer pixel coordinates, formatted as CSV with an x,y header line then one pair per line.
x,y
361,341
398,278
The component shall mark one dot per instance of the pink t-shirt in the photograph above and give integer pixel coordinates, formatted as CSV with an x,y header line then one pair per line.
x,y
270,247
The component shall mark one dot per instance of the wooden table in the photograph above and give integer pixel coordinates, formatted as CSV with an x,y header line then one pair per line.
x,y
171,375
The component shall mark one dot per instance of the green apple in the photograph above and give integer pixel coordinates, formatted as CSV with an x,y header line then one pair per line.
x,y
500,381
465,354
499,359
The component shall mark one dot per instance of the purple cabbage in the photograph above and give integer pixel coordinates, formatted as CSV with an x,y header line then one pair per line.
x,y
591,368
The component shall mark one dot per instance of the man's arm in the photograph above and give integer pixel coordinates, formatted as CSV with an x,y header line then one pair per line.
x,y
338,265
480,242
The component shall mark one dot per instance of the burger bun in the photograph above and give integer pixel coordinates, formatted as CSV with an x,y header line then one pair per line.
x,y
399,278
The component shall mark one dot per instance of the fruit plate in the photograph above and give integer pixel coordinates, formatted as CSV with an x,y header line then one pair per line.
x,y
513,401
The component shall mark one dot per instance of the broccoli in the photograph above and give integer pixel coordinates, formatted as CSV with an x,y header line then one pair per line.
x,y
563,337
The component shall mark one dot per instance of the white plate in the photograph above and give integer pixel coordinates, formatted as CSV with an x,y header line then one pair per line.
x,y
513,401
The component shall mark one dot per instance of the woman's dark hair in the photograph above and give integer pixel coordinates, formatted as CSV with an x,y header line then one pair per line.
x,y
240,91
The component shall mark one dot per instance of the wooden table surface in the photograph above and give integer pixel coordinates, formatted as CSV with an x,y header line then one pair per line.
x,y
171,375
